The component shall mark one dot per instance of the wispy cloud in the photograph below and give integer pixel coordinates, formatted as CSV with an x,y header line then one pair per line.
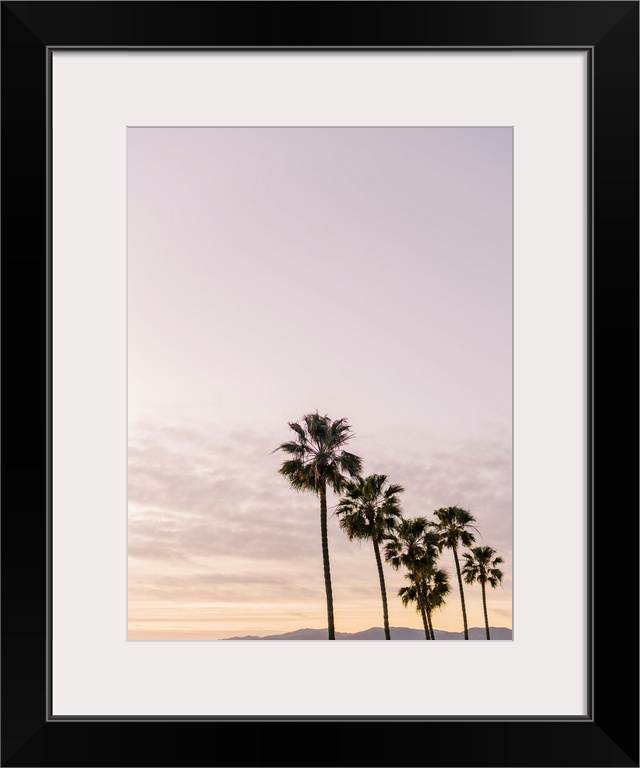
x,y
211,522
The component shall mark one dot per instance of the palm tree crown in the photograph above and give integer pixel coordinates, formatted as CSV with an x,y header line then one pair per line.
x,y
317,456
481,566
455,529
434,587
414,547
406,547
317,460
454,526
369,510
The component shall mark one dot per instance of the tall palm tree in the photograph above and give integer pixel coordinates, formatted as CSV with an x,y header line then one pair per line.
x,y
409,546
455,528
481,566
318,461
369,510
434,586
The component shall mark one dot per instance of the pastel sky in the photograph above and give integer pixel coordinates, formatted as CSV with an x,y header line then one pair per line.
x,y
362,272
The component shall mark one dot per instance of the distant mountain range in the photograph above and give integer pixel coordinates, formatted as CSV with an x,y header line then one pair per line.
x,y
377,633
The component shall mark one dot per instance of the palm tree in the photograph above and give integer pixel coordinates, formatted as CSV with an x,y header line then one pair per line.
x,y
368,510
481,566
317,461
434,587
414,593
411,547
455,529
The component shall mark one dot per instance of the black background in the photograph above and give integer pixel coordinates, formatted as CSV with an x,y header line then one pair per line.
x,y
609,737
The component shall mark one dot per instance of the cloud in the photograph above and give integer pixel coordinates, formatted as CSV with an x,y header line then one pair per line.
x,y
474,474
193,498
212,522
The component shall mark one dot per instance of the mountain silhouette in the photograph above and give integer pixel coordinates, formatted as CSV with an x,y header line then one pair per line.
x,y
377,633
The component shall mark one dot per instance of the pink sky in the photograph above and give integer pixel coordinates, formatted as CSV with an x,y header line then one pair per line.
x,y
362,272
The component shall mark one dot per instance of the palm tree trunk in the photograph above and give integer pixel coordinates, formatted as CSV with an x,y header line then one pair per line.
x,y
430,623
383,590
423,611
464,610
325,559
484,605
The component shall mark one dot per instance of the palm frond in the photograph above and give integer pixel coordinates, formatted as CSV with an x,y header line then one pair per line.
x,y
317,460
367,509
454,524
480,566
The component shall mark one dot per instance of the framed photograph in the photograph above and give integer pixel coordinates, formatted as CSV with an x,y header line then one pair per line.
x,y
286,287
322,318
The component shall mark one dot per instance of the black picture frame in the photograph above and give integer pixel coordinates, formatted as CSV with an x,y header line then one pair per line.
x,y
608,736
